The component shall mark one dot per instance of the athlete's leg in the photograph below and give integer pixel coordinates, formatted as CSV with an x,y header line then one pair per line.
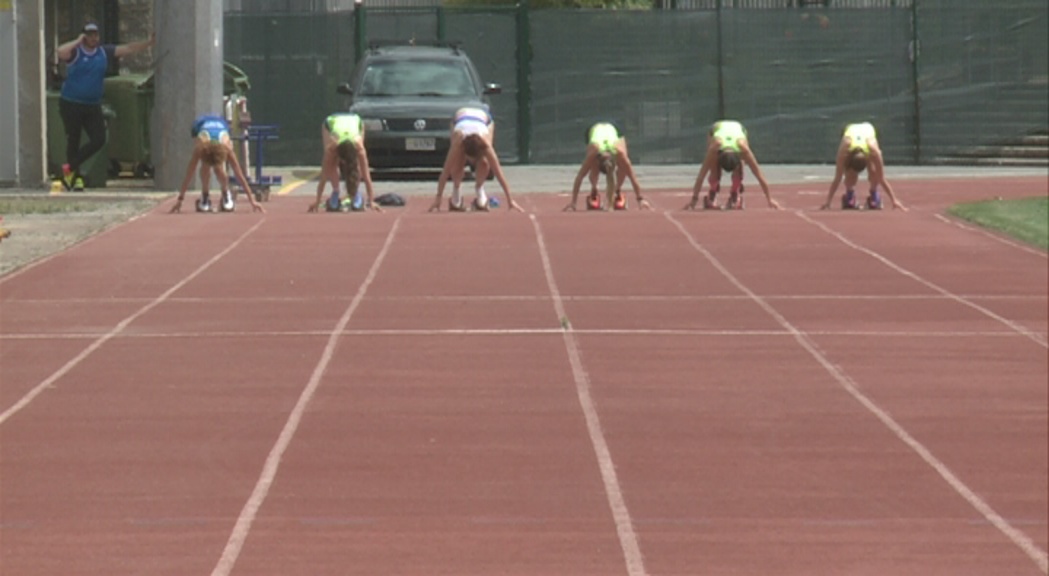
x,y
710,200
480,176
848,201
95,126
454,168
735,199
873,197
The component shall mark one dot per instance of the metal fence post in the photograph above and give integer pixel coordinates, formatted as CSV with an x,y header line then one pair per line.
x,y
915,50
360,26
440,23
524,88
721,64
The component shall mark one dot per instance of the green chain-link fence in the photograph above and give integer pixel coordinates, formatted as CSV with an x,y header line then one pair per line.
x,y
934,76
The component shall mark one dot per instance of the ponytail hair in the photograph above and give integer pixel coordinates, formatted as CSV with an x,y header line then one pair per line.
x,y
857,160
473,146
728,160
214,154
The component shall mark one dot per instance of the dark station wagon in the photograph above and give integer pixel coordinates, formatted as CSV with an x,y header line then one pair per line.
x,y
406,95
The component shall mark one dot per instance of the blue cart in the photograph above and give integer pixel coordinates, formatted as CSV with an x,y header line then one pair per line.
x,y
260,183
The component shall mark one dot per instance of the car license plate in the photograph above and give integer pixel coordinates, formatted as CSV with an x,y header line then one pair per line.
x,y
420,144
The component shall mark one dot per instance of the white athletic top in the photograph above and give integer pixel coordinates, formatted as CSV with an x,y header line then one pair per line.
x,y
472,121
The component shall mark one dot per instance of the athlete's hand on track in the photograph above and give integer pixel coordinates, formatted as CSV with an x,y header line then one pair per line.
x,y
643,204
313,206
569,208
515,206
177,207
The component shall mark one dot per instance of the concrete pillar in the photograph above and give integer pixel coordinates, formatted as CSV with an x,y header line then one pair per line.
x,y
188,81
24,134
8,101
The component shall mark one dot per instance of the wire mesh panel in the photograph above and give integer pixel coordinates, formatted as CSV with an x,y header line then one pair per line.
x,y
294,63
485,36
795,78
982,73
793,72
402,25
653,73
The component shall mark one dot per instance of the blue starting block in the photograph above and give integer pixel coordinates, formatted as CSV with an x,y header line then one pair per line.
x,y
261,183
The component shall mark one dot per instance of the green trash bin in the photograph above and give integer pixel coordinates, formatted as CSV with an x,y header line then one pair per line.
x,y
131,98
95,170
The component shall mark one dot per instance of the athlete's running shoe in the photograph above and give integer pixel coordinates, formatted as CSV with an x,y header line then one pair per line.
x,y
620,202
477,205
735,200
874,201
593,202
203,205
848,201
453,207
227,201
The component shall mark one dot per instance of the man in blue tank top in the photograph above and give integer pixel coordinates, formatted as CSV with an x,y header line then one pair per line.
x,y
80,104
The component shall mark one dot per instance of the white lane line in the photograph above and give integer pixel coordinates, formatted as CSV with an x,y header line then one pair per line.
x,y
1034,337
624,527
97,343
269,470
529,298
994,237
1021,540
518,332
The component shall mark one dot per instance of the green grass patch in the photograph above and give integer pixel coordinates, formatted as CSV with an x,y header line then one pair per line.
x,y
22,205
1026,219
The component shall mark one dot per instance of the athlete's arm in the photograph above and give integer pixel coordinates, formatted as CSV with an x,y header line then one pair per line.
x,y
239,173
708,164
133,47
584,169
878,164
190,169
497,168
755,168
839,173
66,51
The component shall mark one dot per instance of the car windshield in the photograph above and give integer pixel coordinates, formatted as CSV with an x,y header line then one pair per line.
x,y
416,78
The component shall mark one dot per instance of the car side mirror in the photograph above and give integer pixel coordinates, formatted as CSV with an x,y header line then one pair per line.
x,y
493,89
344,89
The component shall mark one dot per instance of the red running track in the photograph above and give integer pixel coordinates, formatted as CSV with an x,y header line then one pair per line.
x,y
665,393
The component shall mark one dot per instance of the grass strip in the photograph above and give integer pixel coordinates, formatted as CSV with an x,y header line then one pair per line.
x,y
1025,219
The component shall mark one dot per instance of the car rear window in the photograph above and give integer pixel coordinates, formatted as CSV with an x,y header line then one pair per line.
x,y
416,78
